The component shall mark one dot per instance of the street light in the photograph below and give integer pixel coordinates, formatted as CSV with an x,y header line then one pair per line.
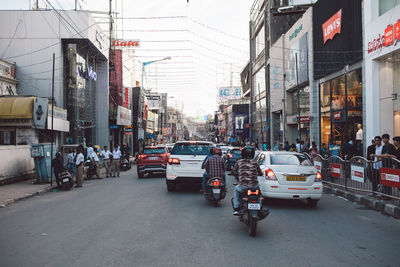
x,y
150,62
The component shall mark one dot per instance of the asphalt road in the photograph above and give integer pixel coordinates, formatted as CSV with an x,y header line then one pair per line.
x,y
128,221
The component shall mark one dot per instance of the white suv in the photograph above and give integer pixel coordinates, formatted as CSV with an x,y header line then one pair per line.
x,y
184,163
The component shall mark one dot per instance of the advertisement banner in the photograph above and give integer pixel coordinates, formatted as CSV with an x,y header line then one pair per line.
x,y
124,116
241,121
318,165
357,173
40,112
154,101
390,177
229,93
298,53
336,170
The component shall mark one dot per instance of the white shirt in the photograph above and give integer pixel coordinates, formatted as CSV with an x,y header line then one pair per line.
x,y
359,135
94,156
79,159
71,157
89,150
116,154
106,154
378,151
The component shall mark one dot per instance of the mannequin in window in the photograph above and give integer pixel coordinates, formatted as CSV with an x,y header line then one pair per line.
x,y
359,139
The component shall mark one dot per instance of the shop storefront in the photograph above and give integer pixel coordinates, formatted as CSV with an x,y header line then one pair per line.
x,y
382,68
341,107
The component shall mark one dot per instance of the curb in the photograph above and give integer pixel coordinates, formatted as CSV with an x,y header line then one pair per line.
x,y
370,202
37,193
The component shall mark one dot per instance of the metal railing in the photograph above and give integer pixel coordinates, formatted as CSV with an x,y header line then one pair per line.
x,y
357,173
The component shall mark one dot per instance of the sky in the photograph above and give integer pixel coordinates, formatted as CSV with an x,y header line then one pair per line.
x,y
207,40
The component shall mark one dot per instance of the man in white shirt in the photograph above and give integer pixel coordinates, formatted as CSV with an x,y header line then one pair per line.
x,y
115,161
105,154
79,166
96,161
377,164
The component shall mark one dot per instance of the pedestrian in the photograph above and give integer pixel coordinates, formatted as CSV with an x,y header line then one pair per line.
x,y
293,148
347,149
79,166
58,166
298,146
71,161
377,164
264,147
396,142
324,151
105,154
371,150
388,149
287,146
313,151
116,154
334,149
96,161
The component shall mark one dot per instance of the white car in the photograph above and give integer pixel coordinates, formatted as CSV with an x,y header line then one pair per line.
x,y
289,175
184,163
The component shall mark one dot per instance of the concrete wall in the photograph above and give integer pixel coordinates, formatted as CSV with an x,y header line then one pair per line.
x,y
15,161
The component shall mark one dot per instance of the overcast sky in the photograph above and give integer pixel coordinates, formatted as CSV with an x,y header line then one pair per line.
x,y
208,42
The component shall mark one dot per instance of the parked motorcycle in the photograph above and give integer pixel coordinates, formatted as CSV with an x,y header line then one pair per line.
x,y
251,209
215,190
64,180
124,163
90,168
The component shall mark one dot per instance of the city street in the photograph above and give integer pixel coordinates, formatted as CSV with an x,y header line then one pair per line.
x,y
128,221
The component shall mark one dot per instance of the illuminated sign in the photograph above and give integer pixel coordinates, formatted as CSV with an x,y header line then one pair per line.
x,y
124,43
389,35
397,30
332,26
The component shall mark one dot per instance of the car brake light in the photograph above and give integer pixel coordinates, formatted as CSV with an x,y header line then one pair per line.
x,y
216,183
249,192
270,175
318,177
140,156
173,161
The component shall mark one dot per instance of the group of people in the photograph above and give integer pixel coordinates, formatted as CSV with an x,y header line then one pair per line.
x,y
76,161
381,148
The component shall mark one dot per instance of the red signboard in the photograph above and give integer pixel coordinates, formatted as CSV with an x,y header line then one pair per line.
x,y
337,115
131,43
389,35
336,170
390,177
304,119
332,26
126,97
397,30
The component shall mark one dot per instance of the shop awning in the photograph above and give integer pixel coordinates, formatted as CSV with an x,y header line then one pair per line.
x,y
16,107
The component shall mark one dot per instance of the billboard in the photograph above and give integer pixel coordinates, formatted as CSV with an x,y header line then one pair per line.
x,y
155,102
241,122
124,116
229,93
40,112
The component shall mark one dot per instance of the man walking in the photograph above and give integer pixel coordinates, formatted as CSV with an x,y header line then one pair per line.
x,y
115,161
105,154
79,166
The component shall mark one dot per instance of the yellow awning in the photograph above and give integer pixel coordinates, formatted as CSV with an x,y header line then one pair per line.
x,y
16,107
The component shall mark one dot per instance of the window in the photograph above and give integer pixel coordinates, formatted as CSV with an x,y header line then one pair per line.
x,y
191,149
260,41
7,137
338,93
386,5
158,150
289,159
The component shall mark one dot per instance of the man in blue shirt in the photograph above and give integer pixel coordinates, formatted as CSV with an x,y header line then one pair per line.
x,y
334,149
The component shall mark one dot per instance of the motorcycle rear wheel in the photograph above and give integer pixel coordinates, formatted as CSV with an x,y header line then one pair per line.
x,y
252,226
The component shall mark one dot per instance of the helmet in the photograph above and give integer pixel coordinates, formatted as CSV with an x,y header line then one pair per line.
x,y
248,152
217,150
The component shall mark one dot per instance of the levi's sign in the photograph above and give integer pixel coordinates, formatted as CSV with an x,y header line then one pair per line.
x,y
124,43
332,26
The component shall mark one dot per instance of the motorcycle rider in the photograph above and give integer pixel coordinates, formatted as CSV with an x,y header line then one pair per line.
x,y
215,166
205,175
247,170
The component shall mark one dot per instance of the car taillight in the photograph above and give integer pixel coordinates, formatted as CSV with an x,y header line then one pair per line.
x,y
230,156
270,175
173,161
249,192
318,177
140,156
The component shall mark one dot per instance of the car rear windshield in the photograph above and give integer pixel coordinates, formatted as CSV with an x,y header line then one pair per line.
x,y
158,150
288,159
236,152
191,149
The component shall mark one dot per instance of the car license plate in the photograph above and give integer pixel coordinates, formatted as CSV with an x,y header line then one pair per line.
x,y
153,158
254,206
65,180
216,191
296,178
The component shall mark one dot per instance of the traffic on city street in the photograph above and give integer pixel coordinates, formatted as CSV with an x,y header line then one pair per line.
x,y
199,133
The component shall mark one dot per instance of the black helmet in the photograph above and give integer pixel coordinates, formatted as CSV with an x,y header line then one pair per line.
x,y
248,152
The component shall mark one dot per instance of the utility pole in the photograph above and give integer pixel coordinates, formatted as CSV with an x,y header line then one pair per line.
x,y
298,101
52,122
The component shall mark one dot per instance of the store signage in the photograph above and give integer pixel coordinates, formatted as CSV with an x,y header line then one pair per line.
x,y
89,73
130,43
357,173
389,35
304,119
332,26
294,34
126,97
376,43
336,170
124,116
397,30
337,115
390,177
229,93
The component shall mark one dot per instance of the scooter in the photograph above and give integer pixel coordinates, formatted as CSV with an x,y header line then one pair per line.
x,y
251,208
64,180
90,168
124,163
215,190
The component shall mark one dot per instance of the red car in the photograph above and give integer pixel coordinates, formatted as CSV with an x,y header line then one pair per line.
x,y
154,159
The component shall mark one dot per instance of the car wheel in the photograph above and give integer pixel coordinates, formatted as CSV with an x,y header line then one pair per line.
x,y
312,202
140,174
171,186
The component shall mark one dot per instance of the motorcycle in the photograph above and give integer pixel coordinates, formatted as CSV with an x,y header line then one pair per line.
x,y
64,180
215,190
124,163
90,168
251,209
